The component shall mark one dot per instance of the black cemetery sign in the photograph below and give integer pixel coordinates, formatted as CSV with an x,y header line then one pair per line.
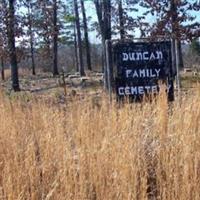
x,y
141,67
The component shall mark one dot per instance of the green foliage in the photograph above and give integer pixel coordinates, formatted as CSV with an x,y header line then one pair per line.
x,y
69,18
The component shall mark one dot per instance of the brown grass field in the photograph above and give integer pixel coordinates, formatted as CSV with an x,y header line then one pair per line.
x,y
86,150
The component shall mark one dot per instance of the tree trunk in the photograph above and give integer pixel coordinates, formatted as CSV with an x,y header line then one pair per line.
x,y
107,19
48,53
75,49
31,38
55,40
11,47
121,20
2,69
103,10
173,49
174,33
79,42
107,34
87,44
32,57
181,64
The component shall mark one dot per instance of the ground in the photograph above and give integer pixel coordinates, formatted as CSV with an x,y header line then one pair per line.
x,y
60,88
81,151
67,86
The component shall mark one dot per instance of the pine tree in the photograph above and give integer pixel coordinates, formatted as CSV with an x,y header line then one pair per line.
x,y
123,18
29,21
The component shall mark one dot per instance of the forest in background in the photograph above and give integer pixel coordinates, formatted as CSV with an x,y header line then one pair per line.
x,y
61,137
53,35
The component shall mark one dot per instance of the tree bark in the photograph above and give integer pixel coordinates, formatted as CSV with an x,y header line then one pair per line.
x,y
176,41
55,39
11,47
107,19
75,49
87,44
174,33
79,42
103,10
121,20
31,38
2,69
181,64
107,35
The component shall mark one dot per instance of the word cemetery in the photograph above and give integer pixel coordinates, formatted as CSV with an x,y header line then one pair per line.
x,y
141,67
140,90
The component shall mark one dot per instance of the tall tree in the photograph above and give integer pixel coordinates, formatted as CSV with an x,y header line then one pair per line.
x,y
11,45
75,49
3,37
28,4
69,34
48,26
55,39
123,20
2,56
2,69
87,43
79,42
31,34
44,28
103,10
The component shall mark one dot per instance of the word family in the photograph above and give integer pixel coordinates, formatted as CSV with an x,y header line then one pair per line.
x,y
143,73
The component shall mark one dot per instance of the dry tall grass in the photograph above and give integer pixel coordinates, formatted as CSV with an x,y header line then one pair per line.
x,y
83,151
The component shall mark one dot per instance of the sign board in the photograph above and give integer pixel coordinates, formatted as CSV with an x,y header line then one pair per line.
x,y
141,67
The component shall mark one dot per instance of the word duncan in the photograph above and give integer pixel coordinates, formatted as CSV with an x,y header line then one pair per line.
x,y
138,56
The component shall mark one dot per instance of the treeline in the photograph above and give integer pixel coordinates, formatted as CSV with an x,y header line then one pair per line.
x,y
53,30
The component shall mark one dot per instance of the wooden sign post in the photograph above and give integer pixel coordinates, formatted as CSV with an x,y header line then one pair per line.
x,y
109,67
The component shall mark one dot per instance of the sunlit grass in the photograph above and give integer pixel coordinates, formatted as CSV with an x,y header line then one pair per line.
x,y
99,151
